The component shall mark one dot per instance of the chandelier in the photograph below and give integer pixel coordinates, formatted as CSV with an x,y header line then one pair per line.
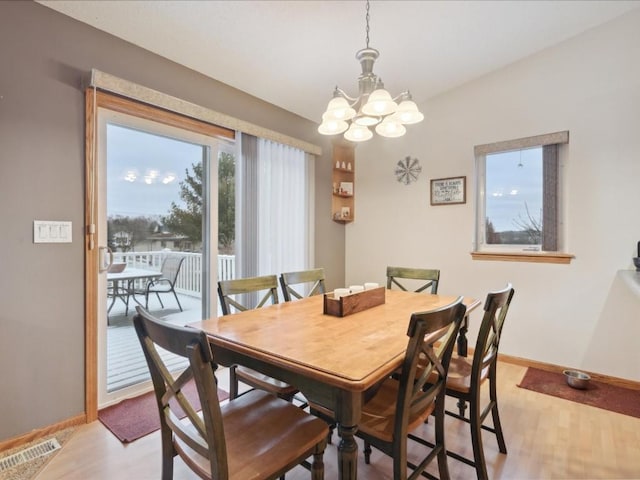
x,y
373,106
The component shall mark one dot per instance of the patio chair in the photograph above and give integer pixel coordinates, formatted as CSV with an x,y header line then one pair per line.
x,y
167,282
289,279
257,436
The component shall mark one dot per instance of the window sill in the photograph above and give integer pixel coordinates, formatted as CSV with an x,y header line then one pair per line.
x,y
531,257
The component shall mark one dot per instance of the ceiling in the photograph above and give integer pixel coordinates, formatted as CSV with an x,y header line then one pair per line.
x,y
293,53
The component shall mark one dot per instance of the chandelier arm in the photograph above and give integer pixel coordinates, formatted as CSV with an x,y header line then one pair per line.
x,y
352,101
402,96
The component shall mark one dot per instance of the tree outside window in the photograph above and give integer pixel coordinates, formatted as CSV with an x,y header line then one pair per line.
x,y
186,218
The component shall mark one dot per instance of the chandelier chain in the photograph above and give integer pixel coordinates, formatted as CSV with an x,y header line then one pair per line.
x,y
367,19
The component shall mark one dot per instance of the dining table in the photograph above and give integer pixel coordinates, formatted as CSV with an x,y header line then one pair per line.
x,y
332,360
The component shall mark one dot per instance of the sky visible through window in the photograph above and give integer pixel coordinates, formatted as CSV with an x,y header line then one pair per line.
x,y
144,171
513,184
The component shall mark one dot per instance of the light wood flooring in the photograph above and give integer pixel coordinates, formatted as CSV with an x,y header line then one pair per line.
x,y
547,438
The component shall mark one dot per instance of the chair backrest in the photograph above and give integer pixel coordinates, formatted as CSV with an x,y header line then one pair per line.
x,y
289,279
485,354
238,286
171,267
204,435
430,276
423,376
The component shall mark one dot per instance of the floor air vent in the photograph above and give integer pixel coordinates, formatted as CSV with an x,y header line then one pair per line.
x,y
28,454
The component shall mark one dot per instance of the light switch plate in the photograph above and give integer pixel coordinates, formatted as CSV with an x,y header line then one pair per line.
x,y
45,231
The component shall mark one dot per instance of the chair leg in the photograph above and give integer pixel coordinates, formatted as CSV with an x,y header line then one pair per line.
x,y
317,467
476,440
367,452
332,427
176,295
443,465
159,299
462,406
497,426
168,452
233,382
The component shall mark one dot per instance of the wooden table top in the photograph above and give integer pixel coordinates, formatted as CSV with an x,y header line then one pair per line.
x,y
350,352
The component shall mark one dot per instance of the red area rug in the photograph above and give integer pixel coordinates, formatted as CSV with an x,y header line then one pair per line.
x,y
598,394
136,417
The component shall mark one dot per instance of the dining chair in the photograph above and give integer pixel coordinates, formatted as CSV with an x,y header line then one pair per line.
x,y
167,282
397,406
303,278
431,278
467,376
257,436
227,292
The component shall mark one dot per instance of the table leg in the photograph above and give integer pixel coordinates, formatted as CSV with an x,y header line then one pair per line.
x,y
347,453
132,292
119,292
462,336
114,295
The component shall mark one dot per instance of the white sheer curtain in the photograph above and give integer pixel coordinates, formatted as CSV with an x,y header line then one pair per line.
x,y
276,192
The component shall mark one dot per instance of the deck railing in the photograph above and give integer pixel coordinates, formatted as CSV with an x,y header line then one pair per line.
x,y
189,280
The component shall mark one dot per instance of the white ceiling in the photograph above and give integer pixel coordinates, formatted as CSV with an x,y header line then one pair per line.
x,y
293,53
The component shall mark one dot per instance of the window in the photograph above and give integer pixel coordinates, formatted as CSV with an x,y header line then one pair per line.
x,y
518,197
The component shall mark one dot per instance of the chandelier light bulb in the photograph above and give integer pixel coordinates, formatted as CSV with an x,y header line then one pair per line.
x,y
332,127
390,128
366,120
339,109
408,113
358,133
379,103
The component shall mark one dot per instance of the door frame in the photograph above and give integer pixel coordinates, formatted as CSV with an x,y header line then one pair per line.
x,y
95,99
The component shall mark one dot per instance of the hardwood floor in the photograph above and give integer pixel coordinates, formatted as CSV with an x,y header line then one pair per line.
x,y
547,438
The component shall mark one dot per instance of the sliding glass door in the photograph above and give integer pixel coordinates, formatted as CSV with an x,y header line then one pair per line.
x,y
158,230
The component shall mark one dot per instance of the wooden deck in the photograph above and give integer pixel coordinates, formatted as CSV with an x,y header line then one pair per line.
x,y
126,363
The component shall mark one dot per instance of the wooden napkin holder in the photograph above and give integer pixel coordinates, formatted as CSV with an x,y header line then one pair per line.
x,y
353,303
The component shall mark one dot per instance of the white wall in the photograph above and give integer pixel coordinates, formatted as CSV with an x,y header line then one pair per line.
x,y
561,314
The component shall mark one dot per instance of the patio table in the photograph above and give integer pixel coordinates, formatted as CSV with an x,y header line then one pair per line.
x,y
123,285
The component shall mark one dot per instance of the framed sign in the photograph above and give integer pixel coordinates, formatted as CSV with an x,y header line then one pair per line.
x,y
448,191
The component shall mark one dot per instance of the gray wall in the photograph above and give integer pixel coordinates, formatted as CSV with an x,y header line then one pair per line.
x,y
44,57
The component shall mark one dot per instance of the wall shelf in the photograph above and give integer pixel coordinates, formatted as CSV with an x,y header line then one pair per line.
x,y
343,178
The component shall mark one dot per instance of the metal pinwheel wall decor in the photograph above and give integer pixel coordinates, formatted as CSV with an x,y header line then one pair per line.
x,y
407,170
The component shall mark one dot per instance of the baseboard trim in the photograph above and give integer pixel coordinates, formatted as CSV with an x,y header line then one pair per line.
x,y
549,367
42,432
